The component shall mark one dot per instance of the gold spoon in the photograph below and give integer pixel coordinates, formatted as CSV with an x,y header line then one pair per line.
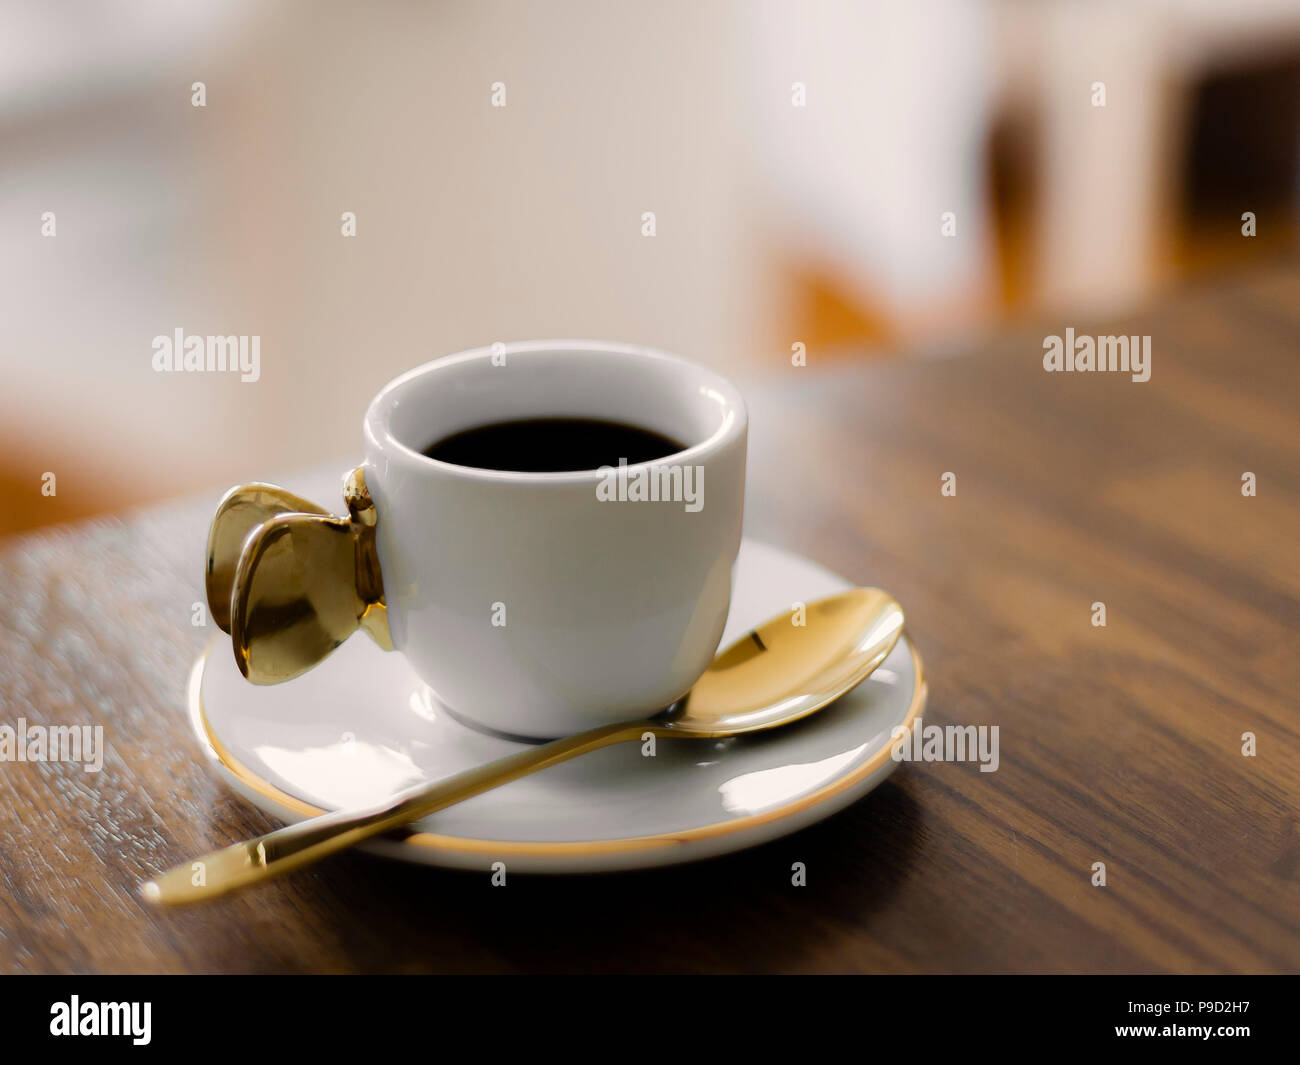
x,y
787,668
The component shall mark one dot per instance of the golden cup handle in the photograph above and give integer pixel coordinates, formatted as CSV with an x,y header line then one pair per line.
x,y
289,581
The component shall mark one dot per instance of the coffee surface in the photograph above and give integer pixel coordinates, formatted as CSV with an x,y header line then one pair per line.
x,y
552,445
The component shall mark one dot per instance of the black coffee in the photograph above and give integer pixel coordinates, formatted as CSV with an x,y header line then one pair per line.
x,y
552,445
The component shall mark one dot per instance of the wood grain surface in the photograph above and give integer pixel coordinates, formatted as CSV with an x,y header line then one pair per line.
x,y
1120,744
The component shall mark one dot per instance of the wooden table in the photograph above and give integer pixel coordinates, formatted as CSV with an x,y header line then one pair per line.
x,y
1120,744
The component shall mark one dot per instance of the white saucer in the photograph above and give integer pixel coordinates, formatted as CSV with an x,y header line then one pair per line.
x,y
361,726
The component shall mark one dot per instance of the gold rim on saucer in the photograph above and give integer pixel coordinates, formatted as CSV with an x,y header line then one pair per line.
x,y
496,848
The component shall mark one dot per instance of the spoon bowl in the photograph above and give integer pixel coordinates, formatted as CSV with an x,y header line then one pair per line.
x,y
791,666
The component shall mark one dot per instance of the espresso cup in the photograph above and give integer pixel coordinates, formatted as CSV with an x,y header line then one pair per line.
x,y
533,604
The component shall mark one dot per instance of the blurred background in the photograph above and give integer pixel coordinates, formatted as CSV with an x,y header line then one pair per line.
x,y
871,180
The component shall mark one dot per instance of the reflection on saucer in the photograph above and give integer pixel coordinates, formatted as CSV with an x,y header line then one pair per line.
x,y
766,789
348,773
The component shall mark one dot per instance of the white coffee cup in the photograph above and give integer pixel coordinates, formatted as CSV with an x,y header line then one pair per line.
x,y
539,604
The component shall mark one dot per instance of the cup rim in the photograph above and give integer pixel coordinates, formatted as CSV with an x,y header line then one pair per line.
x,y
377,428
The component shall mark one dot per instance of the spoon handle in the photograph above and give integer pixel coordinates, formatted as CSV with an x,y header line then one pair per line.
x,y
308,841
